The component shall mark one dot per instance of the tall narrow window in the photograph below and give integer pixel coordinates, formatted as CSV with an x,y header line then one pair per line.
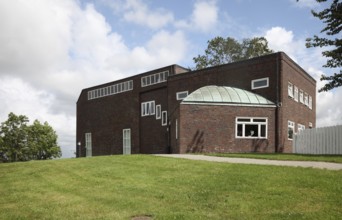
x,y
290,90
301,96
251,127
290,130
310,101
88,144
126,139
306,99
164,118
296,93
158,111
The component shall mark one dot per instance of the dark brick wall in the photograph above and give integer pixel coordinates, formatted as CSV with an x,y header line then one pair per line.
x,y
290,109
211,128
153,136
106,117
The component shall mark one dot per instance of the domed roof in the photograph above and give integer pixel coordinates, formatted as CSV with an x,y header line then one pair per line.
x,y
225,94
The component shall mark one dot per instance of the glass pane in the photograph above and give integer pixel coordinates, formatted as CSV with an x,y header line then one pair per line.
x,y
152,108
263,131
251,131
239,130
244,119
143,81
290,133
259,120
162,77
157,79
261,83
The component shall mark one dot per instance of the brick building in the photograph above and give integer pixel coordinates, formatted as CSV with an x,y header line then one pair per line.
x,y
254,105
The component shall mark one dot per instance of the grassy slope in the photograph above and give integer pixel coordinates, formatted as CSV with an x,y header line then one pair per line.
x,y
282,156
119,187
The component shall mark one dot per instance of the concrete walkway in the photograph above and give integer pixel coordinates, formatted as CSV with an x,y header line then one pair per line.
x,y
319,165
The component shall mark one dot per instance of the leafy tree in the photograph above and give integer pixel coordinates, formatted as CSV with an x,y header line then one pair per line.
x,y
332,17
222,51
42,141
21,142
13,138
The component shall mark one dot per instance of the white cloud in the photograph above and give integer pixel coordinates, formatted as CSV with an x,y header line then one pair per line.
x,y
21,98
139,13
51,50
328,110
305,3
34,35
204,17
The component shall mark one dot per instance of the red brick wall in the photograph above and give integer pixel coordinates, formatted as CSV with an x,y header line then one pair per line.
x,y
209,128
290,109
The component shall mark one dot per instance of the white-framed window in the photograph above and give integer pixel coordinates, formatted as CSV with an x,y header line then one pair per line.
x,y
126,141
164,118
296,93
110,90
250,127
158,111
290,129
310,102
306,99
290,89
300,127
260,83
88,144
301,96
154,78
310,124
148,108
182,95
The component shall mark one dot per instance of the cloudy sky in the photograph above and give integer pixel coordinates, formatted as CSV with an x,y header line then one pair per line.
x,y
51,49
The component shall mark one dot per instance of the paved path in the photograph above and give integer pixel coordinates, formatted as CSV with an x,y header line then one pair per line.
x,y
320,165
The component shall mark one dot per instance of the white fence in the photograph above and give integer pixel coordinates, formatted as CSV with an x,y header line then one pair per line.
x,y
327,140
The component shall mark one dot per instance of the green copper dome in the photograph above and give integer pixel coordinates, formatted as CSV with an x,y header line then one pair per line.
x,y
227,95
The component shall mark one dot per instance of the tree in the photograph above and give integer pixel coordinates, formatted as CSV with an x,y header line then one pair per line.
x,y
222,51
21,142
13,134
332,17
42,140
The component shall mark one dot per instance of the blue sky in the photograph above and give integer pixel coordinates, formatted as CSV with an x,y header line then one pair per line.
x,y
51,49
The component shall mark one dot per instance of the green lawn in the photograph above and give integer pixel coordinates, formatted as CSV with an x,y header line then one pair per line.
x,y
282,156
120,187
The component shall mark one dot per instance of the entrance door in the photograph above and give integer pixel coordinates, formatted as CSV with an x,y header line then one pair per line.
x,y
126,133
